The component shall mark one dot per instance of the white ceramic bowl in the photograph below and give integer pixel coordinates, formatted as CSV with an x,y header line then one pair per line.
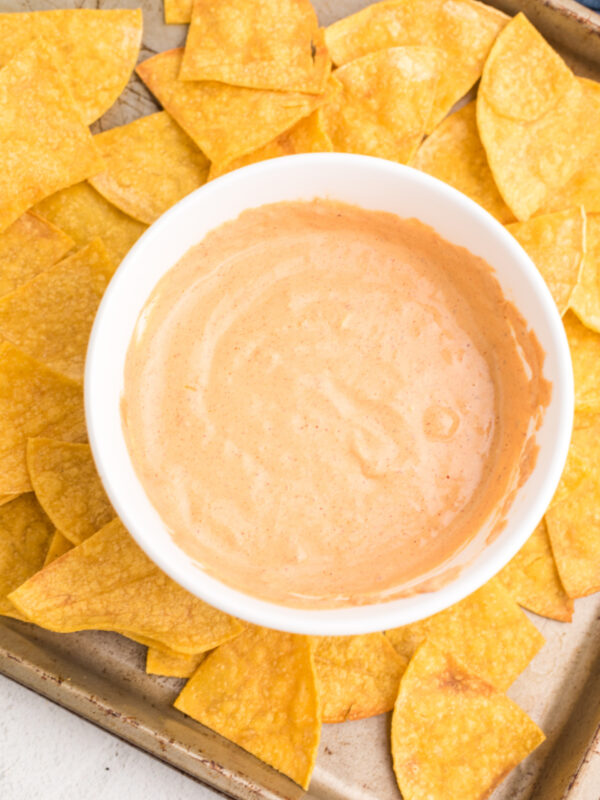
x,y
372,184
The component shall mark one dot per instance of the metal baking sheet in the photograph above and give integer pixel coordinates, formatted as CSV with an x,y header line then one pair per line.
x,y
101,677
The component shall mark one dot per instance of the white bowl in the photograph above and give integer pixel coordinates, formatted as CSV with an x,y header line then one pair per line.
x,y
372,184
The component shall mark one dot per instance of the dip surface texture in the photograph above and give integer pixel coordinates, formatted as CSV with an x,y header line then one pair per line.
x,y
324,403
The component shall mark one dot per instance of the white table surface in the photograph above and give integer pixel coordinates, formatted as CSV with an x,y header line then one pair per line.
x,y
47,753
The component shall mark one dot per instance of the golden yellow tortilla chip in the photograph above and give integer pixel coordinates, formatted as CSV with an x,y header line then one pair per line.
x,y
151,163
532,579
274,44
453,736
383,103
583,189
463,30
556,244
585,355
583,460
51,316
357,676
178,12
574,528
306,136
96,50
25,536
34,401
44,145
487,632
172,665
6,498
537,122
259,691
27,247
108,583
84,214
68,488
59,545
454,154
226,122
585,299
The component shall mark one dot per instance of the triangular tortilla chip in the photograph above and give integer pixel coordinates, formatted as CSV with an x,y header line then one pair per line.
x,y
108,583
151,163
178,12
383,102
274,44
68,488
357,676
454,154
27,247
583,189
25,536
556,244
306,136
583,460
574,528
172,665
453,736
95,49
259,691
84,214
44,145
51,316
463,30
584,345
59,545
585,299
532,579
226,122
537,122
34,401
487,632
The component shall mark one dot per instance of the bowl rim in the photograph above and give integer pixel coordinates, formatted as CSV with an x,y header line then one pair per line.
x,y
348,619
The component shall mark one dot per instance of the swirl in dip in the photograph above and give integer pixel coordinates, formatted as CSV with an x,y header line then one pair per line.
x,y
325,403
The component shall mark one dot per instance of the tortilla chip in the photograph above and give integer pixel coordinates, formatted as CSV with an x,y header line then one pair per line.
x,y
537,122
51,317
25,535
107,583
453,736
6,498
27,247
172,666
274,44
357,676
583,460
306,136
59,545
84,214
178,12
585,299
34,401
150,165
226,122
383,103
463,30
584,345
487,632
68,488
96,50
259,691
454,154
44,145
532,579
574,528
556,244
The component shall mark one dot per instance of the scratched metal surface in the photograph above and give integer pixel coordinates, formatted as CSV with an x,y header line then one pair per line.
x,y
100,676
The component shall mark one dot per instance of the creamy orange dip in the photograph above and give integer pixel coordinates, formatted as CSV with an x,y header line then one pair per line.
x,y
324,403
